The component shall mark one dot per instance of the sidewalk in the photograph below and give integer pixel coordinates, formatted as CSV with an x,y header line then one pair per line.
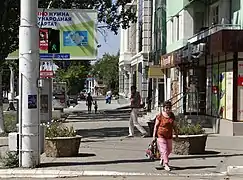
x,y
105,148
105,151
81,106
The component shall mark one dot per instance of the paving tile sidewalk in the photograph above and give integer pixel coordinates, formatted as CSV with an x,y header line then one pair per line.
x,y
105,148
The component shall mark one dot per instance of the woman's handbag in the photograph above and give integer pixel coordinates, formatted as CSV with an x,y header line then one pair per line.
x,y
153,152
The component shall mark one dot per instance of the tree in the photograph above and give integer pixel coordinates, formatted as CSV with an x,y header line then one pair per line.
x,y
107,70
74,75
113,15
9,19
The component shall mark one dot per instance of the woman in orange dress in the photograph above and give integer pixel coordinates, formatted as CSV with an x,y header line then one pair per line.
x,y
163,130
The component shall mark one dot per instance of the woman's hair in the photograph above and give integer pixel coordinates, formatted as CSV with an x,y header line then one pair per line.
x,y
167,104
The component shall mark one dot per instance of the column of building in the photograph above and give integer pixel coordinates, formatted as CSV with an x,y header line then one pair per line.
x,y
147,43
121,82
127,78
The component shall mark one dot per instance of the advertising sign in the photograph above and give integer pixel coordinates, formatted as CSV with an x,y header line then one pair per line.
x,y
46,69
209,90
59,95
240,92
229,91
75,31
43,42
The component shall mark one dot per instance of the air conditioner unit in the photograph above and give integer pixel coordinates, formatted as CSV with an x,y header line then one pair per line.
x,y
202,47
199,48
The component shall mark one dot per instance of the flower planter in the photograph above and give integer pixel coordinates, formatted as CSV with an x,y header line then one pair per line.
x,y
190,144
62,146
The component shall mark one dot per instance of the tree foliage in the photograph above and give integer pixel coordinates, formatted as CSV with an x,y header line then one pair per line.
x,y
114,15
74,75
9,24
107,70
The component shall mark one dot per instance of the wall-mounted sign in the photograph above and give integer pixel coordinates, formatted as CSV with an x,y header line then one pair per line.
x,y
166,61
240,92
32,101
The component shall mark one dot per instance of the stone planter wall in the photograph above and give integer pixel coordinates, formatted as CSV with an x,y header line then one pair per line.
x,y
62,146
190,144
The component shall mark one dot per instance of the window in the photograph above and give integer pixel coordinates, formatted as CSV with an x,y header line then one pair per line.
x,y
177,28
215,14
172,32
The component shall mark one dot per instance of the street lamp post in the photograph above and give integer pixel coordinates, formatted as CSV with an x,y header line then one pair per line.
x,y
28,91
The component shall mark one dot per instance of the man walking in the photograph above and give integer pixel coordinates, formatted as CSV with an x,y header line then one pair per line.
x,y
135,105
89,102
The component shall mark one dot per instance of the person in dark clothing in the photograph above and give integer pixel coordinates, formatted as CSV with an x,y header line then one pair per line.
x,y
95,106
89,102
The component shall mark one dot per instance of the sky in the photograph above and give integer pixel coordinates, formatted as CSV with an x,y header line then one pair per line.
x,y
110,43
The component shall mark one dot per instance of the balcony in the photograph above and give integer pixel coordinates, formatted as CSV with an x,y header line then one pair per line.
x,y
212,30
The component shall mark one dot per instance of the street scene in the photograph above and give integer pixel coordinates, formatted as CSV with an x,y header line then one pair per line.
x,y
127,90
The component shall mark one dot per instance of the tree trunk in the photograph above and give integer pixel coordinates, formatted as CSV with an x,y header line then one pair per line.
x,y
1,103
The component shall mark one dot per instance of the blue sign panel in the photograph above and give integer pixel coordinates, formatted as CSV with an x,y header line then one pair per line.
x,y
46,56
61,56
54,56
75,38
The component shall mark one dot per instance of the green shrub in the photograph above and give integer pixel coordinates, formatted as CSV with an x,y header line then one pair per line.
x,y
58,129
10,160
189,129
10,121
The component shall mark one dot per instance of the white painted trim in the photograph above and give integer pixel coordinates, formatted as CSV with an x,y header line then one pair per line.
x,y
44,173
188,136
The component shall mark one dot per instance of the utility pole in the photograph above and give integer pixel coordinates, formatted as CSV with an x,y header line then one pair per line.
x,y
29,124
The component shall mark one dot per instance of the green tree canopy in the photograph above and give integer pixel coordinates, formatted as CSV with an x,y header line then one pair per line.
x,y
74,75
107,70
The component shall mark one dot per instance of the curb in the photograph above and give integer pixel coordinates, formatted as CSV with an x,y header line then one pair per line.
x,y
42,173
235,170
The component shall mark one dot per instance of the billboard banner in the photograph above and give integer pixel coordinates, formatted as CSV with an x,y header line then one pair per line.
x,y
75,31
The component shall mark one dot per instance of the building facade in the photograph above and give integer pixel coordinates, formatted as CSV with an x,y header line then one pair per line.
x,y
156,93
135,48
203,61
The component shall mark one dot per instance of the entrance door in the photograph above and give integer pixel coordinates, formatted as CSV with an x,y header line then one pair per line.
x,y
135,79
161,93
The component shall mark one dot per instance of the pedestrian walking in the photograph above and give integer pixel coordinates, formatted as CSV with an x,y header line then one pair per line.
x,y
95,106
135,106
163,130
89,102
108,97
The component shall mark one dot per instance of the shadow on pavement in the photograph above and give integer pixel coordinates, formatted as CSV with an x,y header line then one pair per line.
x,y
106,132
191,167
186,167
55,164
203,156
91,140
98,117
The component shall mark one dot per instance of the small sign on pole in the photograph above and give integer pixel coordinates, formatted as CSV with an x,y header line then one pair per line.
x,y
46,69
